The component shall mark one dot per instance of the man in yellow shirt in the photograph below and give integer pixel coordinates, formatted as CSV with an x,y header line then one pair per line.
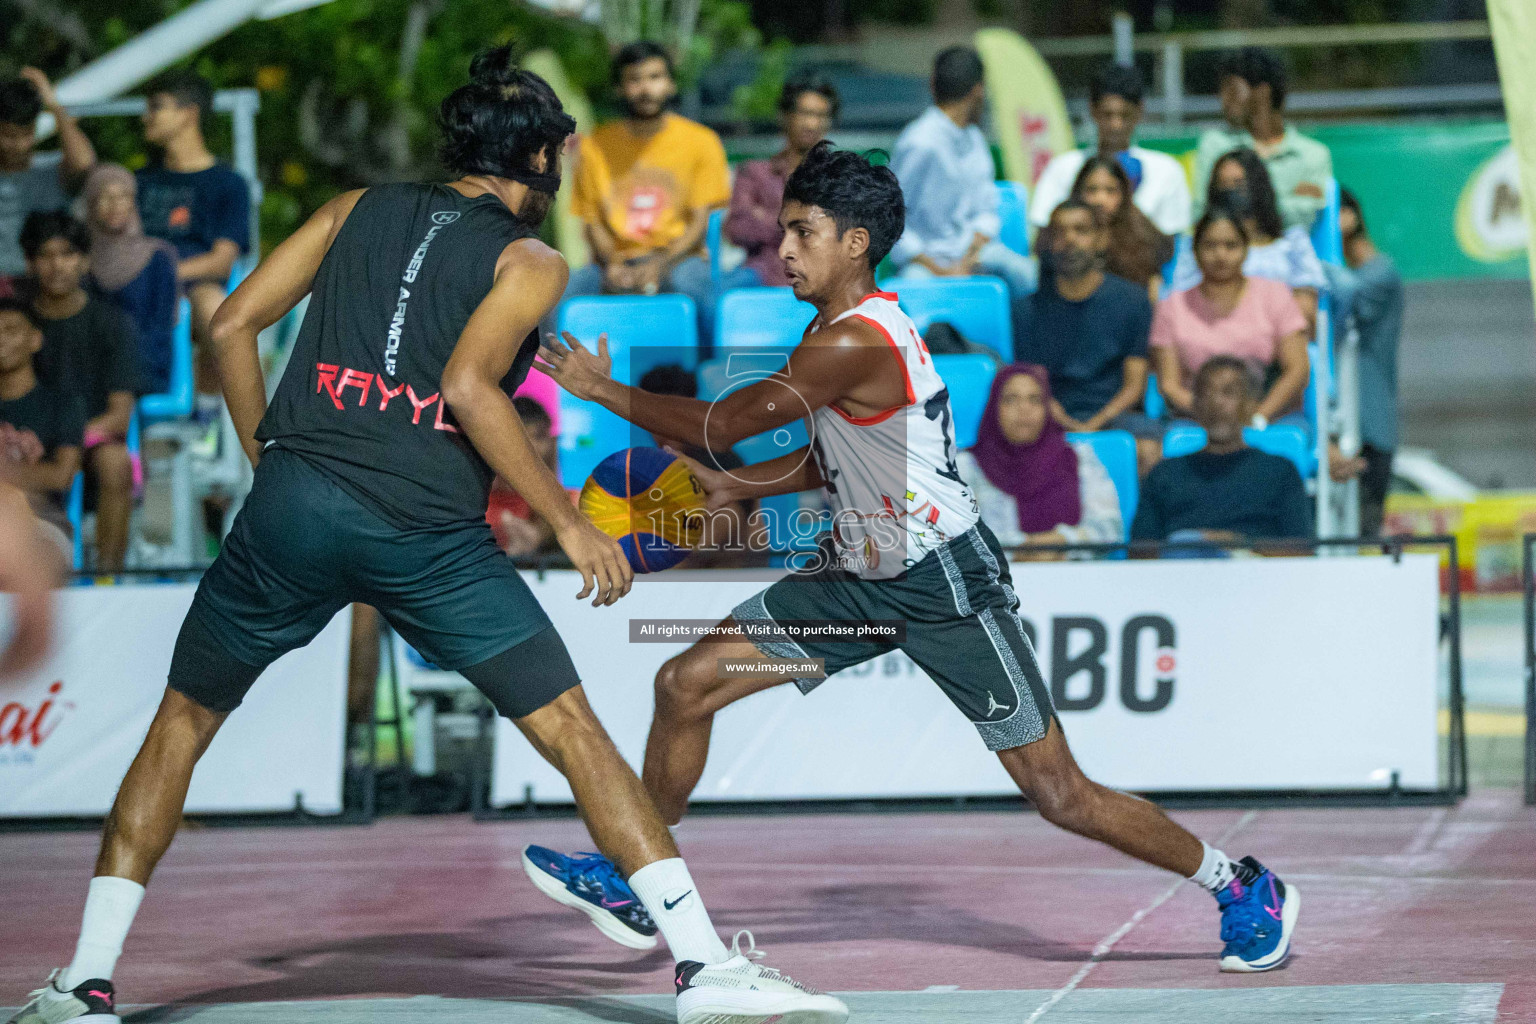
x,y
645,186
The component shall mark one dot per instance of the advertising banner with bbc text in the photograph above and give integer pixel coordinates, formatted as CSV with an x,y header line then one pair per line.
x,y
1244,674
69,730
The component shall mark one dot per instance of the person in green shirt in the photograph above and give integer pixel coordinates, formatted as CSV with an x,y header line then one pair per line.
x,y
1253,85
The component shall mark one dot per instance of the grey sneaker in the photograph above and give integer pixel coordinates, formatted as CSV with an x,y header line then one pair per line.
x,y
90,1002
742,991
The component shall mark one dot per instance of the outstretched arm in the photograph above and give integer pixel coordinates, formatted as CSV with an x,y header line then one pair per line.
x,y
262,299
530,277
847,363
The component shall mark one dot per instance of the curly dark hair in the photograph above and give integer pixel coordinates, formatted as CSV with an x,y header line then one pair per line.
x,y
19,102
500,119
855,194
1261,189
42,226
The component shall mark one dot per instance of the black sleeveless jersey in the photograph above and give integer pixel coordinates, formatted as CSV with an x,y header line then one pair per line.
x,y
361,397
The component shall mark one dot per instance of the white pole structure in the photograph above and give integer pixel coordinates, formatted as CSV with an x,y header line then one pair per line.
x,y
146,55
1514,45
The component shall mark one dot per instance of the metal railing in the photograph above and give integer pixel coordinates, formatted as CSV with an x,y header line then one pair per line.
x,y
1528,619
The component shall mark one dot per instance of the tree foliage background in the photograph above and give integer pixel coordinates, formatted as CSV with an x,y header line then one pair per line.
x,y
349,90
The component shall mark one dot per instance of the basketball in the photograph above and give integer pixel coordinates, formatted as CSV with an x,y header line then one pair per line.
x,y
650,501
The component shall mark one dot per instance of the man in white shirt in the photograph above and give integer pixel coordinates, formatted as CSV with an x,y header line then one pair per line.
x,y
947,176
1115,103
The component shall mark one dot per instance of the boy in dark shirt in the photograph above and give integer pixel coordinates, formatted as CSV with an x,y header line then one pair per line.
x,y
1226,491
40,429
200,206
90,351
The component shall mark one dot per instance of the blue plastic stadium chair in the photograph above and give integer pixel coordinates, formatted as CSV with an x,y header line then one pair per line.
x,y
761,317
1327,239
724,373
1283,439
969,380
1013,208
644,331
1181,244
1153,403
177,400
976,306
714,238
74,507
1117,450
589,434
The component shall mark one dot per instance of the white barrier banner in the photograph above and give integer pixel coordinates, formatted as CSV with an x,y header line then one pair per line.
x,y
1240,674
69,731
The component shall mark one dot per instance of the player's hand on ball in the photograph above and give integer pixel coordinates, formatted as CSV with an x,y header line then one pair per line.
x,y
574,366
719,486
600,561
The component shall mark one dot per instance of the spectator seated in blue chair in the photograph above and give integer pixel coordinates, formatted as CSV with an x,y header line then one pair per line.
x,y
1035,487
1241,184
40,428
33,182
90,350
944,164
1136,249
199,205
1089,329
807,107
1228,313
136,272
1159,185
1227,492
645,187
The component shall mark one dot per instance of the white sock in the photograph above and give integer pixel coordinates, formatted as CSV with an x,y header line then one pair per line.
x,y
1216,870
110,906
667,890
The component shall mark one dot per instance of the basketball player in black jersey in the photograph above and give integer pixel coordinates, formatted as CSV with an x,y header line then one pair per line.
x,y
373,463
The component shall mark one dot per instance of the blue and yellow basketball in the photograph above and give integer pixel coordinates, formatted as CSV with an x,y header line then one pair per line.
x,y
650,501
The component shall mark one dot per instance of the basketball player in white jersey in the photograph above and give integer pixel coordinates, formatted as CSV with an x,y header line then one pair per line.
x,y
907,544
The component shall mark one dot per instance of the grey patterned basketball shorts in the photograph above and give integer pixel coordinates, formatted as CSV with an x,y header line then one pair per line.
x,y
962,629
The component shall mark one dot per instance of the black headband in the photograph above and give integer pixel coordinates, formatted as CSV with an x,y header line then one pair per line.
x,y
536,180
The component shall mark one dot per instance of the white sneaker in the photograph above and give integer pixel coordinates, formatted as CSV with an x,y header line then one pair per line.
x,y
90,1002
740,991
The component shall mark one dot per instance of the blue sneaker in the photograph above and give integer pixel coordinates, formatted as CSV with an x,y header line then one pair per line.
x,y
591,884
1258,915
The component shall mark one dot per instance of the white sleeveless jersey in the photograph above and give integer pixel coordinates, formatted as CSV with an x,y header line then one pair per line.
x,y
891,479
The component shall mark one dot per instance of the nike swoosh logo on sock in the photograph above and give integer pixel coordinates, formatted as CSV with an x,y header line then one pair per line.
x,y
669,904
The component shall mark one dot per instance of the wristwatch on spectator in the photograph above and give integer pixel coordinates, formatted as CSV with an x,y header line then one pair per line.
x,y
1259,421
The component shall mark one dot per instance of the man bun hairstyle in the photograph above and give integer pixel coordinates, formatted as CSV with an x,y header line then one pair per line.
x,y
854,193
19,102
497,122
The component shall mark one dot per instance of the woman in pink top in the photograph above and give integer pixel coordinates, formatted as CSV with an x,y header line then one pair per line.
x,y
1228,313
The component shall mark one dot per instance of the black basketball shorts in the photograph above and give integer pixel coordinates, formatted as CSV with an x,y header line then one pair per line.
x,y
302,549
962,629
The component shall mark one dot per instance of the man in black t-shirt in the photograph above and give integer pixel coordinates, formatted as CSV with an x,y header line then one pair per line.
x,y
373,463
90,350
1089,329
1227,491
40,429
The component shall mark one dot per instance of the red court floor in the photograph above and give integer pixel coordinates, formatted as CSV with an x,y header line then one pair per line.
x,y
1408,914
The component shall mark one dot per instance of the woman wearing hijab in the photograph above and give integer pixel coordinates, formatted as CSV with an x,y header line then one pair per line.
x,y
1033,485
1137,249
136,272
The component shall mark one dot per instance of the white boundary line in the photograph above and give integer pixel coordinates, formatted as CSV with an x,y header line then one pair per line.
x,y
1108,942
